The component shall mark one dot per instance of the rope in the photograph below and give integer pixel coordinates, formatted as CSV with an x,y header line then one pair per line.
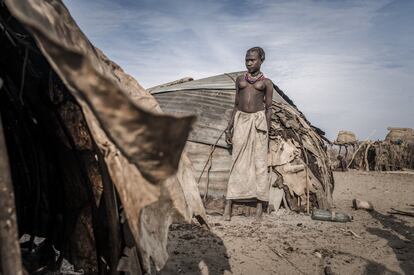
x,y
230,77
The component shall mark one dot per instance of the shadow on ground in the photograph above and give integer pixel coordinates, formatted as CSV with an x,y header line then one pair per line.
x,y
207,255
400,238
374,268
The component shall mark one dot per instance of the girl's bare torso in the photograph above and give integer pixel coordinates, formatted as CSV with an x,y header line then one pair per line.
x,y
251,96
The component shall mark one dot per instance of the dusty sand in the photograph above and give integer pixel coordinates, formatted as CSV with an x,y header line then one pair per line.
x,y
288,243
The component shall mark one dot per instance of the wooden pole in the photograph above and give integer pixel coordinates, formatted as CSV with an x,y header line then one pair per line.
x,y
210,156
210,162
359,147
11,262
305,155
366,156
307,183
113,246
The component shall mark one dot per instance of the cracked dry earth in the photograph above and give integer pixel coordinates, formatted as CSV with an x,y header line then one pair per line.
x,y
287,243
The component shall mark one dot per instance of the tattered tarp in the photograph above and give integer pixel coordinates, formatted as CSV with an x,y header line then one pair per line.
x,y
142,147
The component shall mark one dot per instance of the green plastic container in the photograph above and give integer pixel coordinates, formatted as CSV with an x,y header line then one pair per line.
x,y
331,216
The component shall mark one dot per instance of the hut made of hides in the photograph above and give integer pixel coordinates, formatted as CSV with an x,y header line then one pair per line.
x,y
395,152
87,160
345,138
299,161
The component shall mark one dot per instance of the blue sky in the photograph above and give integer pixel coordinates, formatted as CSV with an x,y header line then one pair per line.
x,y
346,64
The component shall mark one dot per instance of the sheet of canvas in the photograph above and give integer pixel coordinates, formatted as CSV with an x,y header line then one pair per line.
x,y
248,173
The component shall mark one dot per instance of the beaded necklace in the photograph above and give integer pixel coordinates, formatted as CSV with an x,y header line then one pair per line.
x,y
253,79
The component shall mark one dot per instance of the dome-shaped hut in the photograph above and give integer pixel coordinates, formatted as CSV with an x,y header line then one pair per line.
x,y
400,135
395,152
345,138
297,156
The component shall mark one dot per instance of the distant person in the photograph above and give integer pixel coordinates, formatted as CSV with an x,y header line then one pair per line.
x,y
343,165
248,131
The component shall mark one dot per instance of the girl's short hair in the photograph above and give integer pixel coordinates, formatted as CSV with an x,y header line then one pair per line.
x,y
259,50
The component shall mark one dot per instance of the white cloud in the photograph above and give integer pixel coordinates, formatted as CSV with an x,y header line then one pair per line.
x,y
342,66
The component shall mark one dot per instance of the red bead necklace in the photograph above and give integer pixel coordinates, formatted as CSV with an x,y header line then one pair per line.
x,y
253,79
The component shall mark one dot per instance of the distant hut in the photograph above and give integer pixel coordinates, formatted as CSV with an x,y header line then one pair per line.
x,y
395,152
345,139
400,135
298,158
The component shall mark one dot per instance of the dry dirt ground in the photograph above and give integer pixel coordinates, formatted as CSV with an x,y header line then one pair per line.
x,y
288,243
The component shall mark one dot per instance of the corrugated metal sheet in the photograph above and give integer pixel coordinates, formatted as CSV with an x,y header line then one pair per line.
x,y
219,82
219,171
222,82
212,107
